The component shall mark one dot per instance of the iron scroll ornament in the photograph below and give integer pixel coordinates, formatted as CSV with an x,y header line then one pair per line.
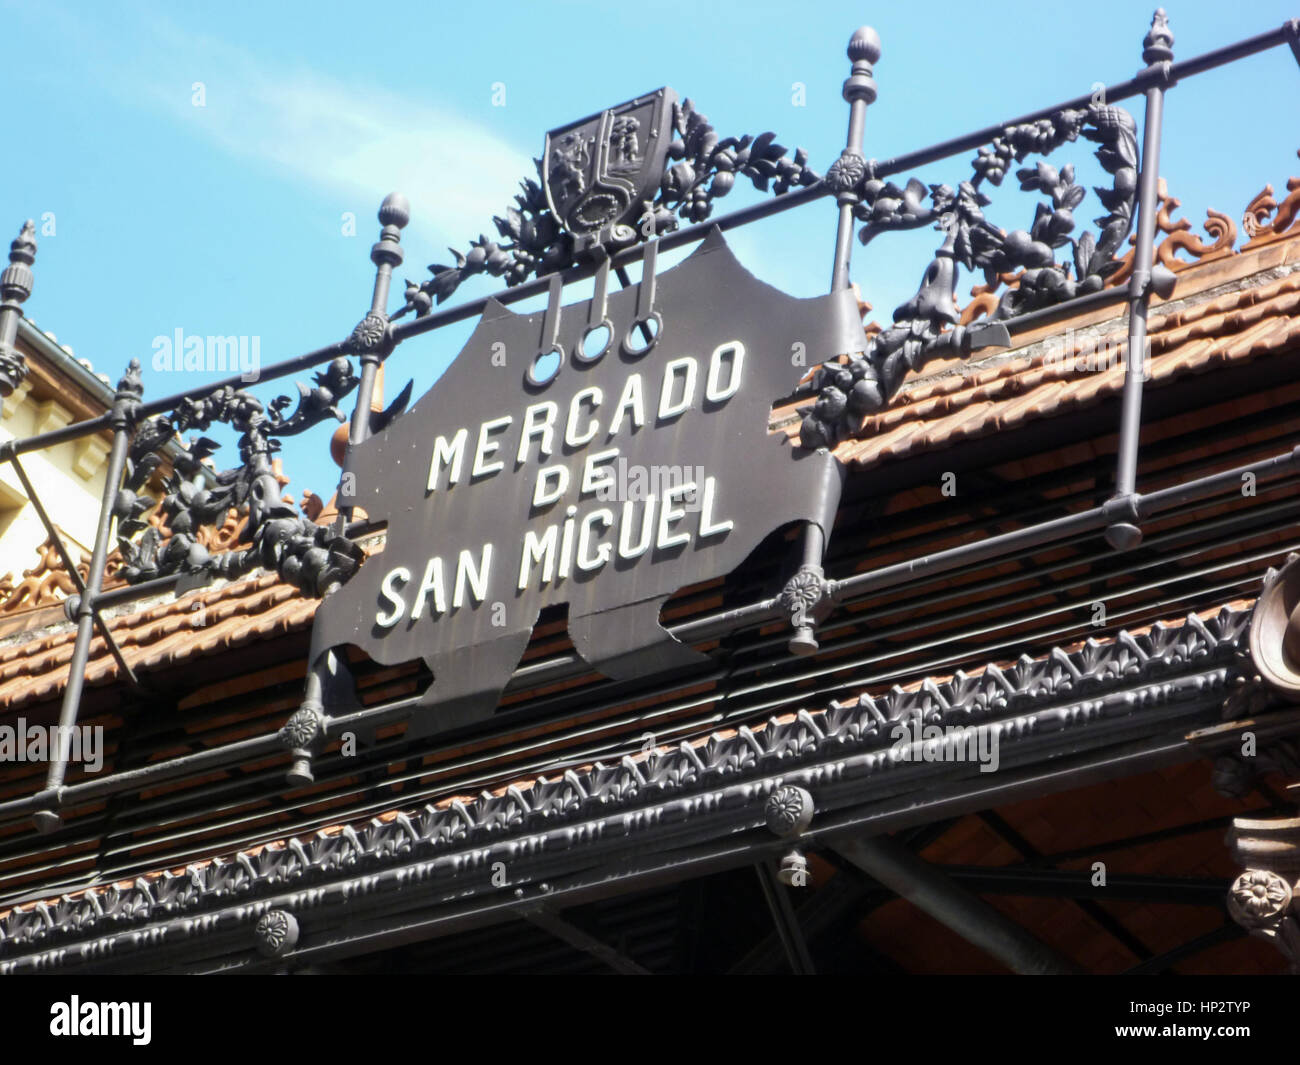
x,y
926,326
661,160
313,558
483,544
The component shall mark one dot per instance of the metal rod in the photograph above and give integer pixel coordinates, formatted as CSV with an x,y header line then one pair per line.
x,y
75,577
129,593
1078,885
787,924
125,404
1226,933
625,280
161,406
394,214
1113,93
580,939
860,91
1023,323
974,920
1157,53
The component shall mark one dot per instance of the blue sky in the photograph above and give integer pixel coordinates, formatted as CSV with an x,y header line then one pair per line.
x,y
228,219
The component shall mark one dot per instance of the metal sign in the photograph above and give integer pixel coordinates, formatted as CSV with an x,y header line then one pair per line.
x,y
633,470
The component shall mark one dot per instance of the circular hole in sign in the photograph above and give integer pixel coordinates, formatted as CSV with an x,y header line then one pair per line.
x,y
546,365
636,342
595,342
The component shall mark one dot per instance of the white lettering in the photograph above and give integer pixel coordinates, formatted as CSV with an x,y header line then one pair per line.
x,y
670,514
544,496
571,436
389,591
476,576
626,549
667,407
488,447
432,582
632,400
586,562
444,454
715,393
538,422
709,527
538,549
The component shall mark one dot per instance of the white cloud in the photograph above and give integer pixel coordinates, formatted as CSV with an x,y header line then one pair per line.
x,y
340,136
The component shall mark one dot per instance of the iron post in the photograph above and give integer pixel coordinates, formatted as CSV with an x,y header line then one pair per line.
x,y
372,338
859,90
126,403
1158,54
807,593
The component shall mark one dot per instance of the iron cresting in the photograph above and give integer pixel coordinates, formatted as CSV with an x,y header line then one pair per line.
x,y
588,524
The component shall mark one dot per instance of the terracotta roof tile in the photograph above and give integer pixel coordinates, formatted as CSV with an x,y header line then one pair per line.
x,y
955,402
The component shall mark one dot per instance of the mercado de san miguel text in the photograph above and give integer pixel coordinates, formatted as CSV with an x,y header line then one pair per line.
x,y
720,631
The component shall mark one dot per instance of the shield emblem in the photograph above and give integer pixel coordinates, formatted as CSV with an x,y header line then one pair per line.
x,y
599,170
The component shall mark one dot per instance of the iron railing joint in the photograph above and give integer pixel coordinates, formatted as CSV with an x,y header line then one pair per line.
x,y
1125,507
1291,28
1156,76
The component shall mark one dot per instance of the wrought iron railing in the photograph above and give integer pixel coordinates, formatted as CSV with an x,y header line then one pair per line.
x,y
540,251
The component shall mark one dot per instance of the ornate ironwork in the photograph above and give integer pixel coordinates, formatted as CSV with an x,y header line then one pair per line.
x,y
700,168
1263,897
929,323
806,600
788,811
314,558
15,286
276,933
1268,672
841,751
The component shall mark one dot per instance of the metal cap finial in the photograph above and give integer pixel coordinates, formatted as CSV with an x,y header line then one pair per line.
x,y
864,45
24,248
15,286
864,50
395,210
1158,45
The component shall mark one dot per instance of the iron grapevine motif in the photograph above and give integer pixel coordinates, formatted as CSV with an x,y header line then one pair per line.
x,y
927,324
621,176
313,558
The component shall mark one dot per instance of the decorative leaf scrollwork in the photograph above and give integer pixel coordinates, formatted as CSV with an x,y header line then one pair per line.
x,y
311,557
701,168
927,324
704,168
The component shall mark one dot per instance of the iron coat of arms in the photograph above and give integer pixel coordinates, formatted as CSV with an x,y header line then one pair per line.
x,y
598,171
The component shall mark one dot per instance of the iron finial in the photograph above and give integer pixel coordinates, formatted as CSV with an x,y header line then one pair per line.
x,y
15,286
394,213
864,45
864,50
395,210
23,248
1158,45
